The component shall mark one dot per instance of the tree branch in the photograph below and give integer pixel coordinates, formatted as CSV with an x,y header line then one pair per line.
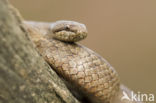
x,y
24,76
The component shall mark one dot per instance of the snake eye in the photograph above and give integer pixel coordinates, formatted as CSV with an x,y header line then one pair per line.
x,y
67,28
63,28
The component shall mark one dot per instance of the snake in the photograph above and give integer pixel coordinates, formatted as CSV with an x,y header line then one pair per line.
x,y
84,71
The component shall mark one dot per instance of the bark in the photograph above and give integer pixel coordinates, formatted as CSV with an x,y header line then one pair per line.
x,y
24,76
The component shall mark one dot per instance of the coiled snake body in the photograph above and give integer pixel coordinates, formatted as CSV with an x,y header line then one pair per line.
x,y
84,70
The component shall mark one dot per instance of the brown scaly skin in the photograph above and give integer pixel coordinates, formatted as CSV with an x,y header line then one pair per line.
x,y
86,72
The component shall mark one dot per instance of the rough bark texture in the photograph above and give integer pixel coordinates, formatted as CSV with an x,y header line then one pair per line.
x,y
24,76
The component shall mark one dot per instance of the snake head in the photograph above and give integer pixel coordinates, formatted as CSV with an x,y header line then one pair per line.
x,y
68,31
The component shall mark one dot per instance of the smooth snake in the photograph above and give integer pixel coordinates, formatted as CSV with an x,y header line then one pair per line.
x,y
84,70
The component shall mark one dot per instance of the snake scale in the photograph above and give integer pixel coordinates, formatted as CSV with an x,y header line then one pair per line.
x,y
86,71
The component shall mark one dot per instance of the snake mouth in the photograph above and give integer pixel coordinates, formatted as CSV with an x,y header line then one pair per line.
x,y
69,36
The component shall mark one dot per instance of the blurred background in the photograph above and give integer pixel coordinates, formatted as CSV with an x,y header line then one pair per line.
x,y
122,31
